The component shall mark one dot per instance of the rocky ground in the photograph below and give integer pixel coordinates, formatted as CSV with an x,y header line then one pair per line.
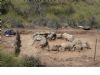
x,y
55,58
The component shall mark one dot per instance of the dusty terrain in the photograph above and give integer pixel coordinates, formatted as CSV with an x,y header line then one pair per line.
x,y
55,58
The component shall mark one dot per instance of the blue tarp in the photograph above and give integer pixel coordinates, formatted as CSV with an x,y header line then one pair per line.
x,y
9,32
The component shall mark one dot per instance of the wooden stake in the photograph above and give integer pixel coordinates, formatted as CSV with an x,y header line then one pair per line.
x,y
95,50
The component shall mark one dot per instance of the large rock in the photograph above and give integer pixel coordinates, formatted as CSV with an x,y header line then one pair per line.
x,y
59,36
39,33
85,45
38,38
43,42
54,47
87,28
67,46
68,37
76,41
41,39
81,45
78,47
51,36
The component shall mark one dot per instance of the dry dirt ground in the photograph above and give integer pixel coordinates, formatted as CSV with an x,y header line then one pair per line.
x,y
55,58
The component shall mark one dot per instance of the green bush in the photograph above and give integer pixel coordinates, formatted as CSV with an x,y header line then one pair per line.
x,y
50,12
31,62
7,60
4,6
16,23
